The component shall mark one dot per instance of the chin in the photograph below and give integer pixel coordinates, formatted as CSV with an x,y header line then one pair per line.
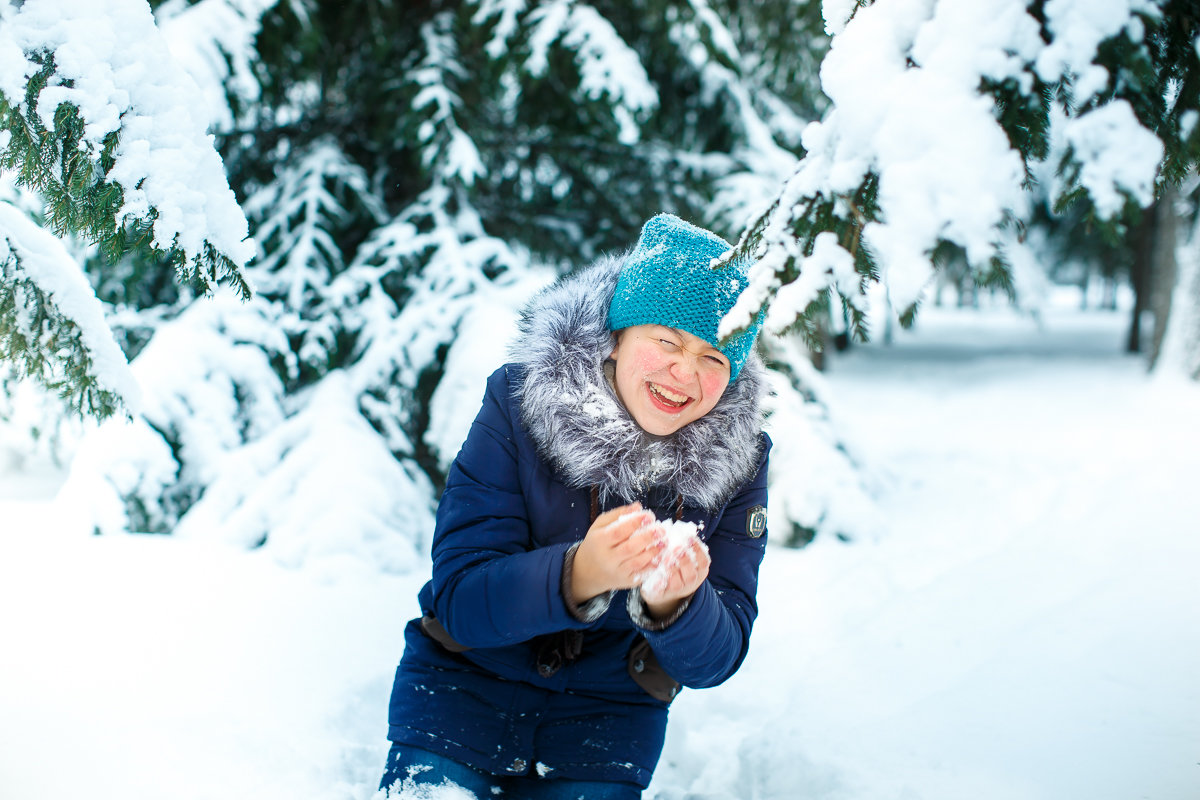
x,y
654,423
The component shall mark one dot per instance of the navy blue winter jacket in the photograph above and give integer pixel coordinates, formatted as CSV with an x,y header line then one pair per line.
x,y
521,680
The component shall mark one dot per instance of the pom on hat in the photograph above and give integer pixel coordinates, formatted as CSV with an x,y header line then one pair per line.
x,y
669,280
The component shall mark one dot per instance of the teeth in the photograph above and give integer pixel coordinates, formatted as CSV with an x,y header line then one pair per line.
x,y
668,395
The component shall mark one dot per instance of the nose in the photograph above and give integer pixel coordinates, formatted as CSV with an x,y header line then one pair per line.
x,y
684,367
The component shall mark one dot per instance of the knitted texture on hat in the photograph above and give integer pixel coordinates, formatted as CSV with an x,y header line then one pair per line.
x,y
669,280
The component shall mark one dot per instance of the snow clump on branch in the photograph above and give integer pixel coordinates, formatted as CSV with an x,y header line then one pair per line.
x,y
113,65
914,130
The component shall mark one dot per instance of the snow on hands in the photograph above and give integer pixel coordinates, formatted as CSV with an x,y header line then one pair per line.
x,y
628,548
679,536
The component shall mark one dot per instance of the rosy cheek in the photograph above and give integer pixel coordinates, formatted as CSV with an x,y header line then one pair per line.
x,y
648,362
713,385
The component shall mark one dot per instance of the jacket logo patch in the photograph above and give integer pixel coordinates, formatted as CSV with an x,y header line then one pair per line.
x,y
756,522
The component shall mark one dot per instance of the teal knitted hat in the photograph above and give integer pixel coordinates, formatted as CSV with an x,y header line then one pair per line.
x,y
669,280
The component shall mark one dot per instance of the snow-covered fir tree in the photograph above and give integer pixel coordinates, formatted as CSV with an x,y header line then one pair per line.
x,y
949,136
411,176
98,131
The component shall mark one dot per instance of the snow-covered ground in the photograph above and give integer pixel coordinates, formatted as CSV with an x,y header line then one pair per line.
x,y
1026,627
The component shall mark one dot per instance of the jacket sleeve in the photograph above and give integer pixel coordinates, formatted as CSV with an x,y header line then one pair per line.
x,y
710,639
490,587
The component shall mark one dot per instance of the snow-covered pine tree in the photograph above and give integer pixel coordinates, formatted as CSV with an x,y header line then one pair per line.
x,y
103,133
975,110
405,170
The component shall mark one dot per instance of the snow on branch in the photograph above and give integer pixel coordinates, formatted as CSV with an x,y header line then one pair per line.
x,y
608,67
298,215
1079,27
446,147
445,256
451,270
507,14
703,39
214,42
920,146
48,308
1114,157
100,120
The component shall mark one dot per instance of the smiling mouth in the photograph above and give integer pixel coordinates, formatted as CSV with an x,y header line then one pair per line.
x,y
665,397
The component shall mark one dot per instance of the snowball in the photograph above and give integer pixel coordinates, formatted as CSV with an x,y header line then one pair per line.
x,y
679,535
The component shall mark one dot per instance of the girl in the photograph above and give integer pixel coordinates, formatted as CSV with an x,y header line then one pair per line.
x,y
560,621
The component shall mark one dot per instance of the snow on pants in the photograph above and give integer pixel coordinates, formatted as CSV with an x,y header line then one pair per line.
x,y
409,767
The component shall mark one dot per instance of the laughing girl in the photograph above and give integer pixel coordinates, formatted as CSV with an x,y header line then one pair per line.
x,y
598,542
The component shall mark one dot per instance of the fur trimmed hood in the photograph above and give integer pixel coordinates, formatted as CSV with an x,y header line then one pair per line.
x,y
580,427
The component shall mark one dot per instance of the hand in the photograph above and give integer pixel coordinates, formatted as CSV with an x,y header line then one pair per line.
x,y
616,552
662,598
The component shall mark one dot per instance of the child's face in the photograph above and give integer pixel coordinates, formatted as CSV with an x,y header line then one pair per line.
x,y
667,378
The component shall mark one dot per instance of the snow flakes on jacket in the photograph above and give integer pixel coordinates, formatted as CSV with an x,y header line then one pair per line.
x,y
572,413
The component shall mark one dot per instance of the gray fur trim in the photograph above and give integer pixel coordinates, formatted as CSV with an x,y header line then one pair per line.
x,y
582,430
591,609
639,612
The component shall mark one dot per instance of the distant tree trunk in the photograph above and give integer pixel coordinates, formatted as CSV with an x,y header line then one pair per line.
x,y
820,355
889,322
818,358
968,292
1179,350
1141,273
1109,301
1163,260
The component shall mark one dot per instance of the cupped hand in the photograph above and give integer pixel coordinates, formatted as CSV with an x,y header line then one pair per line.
x,y
617,550
662,598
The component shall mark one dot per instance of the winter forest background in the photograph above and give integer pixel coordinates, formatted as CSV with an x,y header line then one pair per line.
x,y
258,256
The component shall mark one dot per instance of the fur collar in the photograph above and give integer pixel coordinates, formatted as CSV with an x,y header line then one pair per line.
x,y
581,429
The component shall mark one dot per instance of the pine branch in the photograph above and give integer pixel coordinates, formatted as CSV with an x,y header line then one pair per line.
x,y
80,199
47,347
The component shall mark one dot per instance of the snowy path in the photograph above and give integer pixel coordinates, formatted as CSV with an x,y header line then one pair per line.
x,y
1025,628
